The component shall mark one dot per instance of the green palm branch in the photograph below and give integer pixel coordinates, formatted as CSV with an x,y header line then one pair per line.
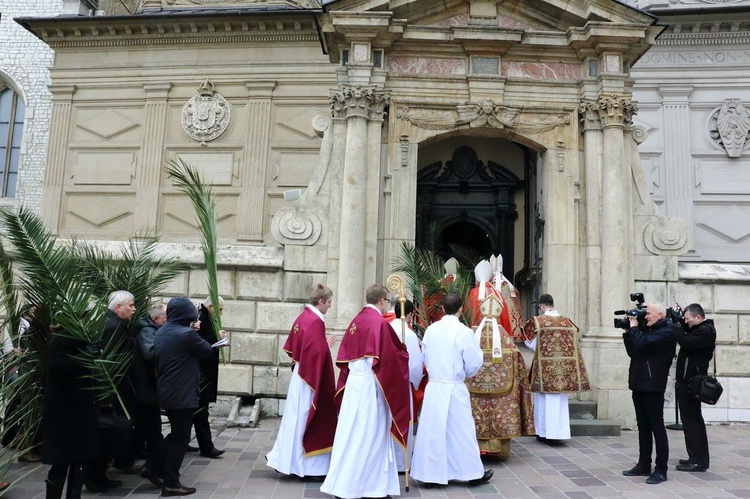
x,y
189,181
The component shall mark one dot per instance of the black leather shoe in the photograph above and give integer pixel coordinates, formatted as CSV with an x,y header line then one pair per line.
x,y
192,448
540,439
177,490
313,478
656,477
213,453
690,467
152,477
485,478
429,485
102,484
638,470
685,461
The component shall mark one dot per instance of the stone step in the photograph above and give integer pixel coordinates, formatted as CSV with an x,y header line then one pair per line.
x,y
594,428
582,409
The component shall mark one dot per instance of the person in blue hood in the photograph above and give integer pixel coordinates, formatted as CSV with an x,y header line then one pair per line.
x,y
179,350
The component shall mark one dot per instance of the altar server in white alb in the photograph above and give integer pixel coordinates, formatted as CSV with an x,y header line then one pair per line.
x,y
416,370
303,446
446,446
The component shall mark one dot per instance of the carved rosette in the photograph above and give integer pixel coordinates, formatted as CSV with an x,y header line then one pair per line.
x,y
358,101
666,236
296,225
616,110
729,127
206,115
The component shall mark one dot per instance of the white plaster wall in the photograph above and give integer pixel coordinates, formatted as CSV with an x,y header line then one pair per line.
x,y
24,66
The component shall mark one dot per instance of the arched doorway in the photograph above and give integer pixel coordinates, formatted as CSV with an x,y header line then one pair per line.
x,y
471,201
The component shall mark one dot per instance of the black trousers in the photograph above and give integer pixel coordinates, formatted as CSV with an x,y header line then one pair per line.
x,y
693,426
166,460
146,429
649,415
203,429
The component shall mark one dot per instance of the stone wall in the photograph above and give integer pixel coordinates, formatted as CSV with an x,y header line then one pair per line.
x,y
24,66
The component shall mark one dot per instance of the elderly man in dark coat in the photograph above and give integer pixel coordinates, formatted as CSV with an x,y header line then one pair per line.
x,y
69,414
179,351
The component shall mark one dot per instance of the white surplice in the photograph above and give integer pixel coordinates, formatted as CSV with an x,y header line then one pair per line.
x,y
287,455
363,463
446,446
416,372
551,411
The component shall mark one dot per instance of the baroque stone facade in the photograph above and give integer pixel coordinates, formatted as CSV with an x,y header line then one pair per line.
x,y
362,110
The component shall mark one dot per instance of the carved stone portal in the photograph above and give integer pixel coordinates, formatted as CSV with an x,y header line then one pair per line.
x,y
206,115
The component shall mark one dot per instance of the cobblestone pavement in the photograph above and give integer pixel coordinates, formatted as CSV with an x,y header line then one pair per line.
x,y
584,467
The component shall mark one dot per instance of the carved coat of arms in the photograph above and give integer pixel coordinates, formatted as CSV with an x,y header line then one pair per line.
x,y
733,125
206,115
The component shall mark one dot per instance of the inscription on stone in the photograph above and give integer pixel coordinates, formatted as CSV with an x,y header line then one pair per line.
x,y
719,177
702,57
485,65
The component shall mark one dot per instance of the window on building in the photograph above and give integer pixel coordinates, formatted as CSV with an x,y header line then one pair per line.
x,y
11,132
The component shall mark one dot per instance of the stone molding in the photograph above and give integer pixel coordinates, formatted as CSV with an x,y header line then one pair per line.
x,y
351,101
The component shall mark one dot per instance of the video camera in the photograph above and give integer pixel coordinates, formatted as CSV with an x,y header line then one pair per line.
x,y
639,312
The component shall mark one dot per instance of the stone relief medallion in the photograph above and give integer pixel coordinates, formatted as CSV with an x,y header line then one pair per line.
x,y
206,115
666,236
296,225
729,127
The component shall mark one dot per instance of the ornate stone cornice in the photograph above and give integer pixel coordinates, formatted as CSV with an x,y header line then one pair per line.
x,y
357,101
688,38
143,30
616,110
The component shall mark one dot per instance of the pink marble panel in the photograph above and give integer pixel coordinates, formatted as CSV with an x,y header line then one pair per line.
x,y
547,70
457,20
427,65
507,22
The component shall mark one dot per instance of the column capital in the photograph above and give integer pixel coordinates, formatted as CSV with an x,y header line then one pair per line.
x,y
588,112
616,110
157,90
359,101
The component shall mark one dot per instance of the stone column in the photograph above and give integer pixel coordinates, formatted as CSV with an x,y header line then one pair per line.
x,y
592,150
148,176
253,194
616,235
336,171
375,178
62,104
678,196
355,104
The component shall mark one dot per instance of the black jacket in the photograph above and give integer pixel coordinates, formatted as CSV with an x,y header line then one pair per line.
x,y
696,349
210,366
179,351
651,352
69,414
143,369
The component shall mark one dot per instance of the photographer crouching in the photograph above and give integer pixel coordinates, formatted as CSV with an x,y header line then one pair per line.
x,y
651,347
697,340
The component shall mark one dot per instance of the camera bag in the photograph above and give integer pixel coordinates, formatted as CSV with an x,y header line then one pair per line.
x,y
705,387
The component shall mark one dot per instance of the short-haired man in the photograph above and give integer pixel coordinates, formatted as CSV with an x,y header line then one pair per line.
x,y
446,446
373,390
556,370
303,444
651,349
697,342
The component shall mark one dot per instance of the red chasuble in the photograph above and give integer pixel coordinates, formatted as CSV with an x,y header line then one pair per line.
x,y
369,335
308,348
472,303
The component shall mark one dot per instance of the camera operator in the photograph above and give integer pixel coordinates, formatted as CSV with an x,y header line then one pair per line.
x,y
697,341
651,349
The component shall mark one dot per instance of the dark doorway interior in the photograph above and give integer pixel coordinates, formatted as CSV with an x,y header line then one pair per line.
x,y
471,203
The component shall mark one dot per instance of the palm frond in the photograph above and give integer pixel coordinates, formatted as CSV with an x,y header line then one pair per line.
x,y
189,181
10,299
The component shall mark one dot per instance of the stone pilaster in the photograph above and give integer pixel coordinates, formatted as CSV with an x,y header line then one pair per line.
x,y
252,197
592,150
62,105
152,156
357,105
616,233
677,158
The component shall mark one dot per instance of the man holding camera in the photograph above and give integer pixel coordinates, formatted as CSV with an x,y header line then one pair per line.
x,y
651,348
697,341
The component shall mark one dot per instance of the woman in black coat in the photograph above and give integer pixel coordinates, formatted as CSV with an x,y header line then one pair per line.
x,y
69,414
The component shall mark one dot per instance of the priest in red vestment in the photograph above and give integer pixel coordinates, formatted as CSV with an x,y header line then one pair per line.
x,y
305,439
373,393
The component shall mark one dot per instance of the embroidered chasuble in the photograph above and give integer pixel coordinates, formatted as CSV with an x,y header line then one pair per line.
x,y
513,301
500,398
558,365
